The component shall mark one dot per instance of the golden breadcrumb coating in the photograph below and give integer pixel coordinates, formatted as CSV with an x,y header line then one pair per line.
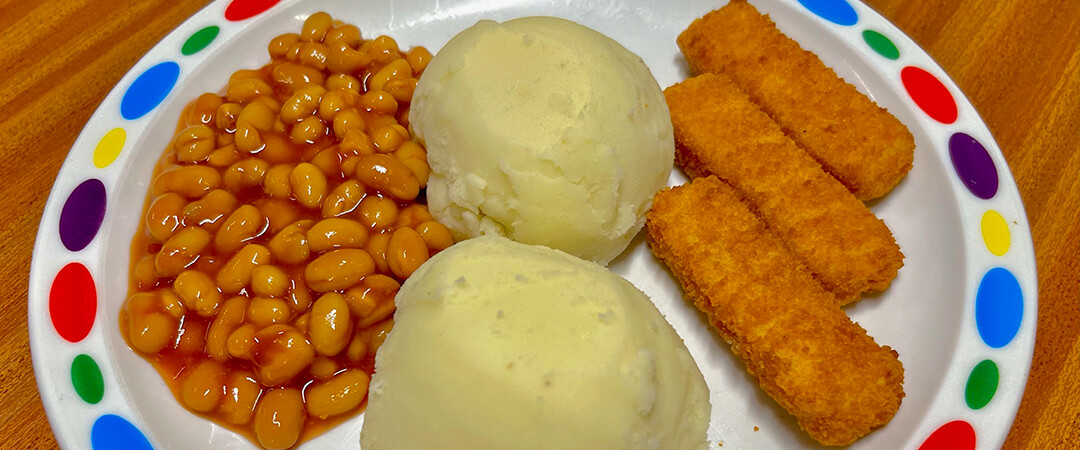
x,y
858,142
720,131
804,351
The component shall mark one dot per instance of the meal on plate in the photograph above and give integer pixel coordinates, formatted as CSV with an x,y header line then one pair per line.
x,y
289,261
503,345
281,219
544,131
855,140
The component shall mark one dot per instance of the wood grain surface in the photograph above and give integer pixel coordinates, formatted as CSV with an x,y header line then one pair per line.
x,y
1017,61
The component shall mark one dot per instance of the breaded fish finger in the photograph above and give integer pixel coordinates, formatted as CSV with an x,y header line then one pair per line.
x,y
858,142
804,351
720,131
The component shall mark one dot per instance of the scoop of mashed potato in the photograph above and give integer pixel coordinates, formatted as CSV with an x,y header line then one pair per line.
x,y
543,131
502,345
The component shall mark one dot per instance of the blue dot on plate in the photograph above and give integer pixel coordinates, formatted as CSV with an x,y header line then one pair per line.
x,y
999,307
114,432
839,12
149,89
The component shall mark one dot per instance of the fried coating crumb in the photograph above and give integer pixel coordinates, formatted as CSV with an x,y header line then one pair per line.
x,y
720,131
804,351
858,142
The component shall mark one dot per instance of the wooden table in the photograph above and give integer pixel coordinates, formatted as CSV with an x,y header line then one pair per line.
x,y
1017,60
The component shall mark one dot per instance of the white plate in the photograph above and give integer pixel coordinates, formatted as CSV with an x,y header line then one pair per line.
x,y
961,313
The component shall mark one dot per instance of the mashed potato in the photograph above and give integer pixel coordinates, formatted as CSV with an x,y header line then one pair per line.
x,y
498,344
544,131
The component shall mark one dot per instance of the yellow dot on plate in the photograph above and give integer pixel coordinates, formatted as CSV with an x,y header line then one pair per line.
x,y
108,148
995,233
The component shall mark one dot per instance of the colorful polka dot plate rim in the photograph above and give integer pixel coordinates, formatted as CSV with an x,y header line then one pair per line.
x,y
961,313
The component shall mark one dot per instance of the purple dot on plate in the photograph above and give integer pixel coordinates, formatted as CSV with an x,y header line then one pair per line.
x,y
112,432
973,165
83,212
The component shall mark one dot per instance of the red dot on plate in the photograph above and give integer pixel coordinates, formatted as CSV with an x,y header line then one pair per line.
x,y
73,302
955,435
244,9
930,94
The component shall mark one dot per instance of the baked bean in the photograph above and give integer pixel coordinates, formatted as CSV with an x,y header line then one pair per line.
x,y
376,247
195,143
290,76
334,101
163,217
143,273
342,58
245,173
243,90
242,390
197,292
236,273
343,199
329,324
377,335
279,418
435,235
313,54
279,212
338,269
290,245
412,216
338,395
343,81
180,251
303,103
346,34
334,233
308,130
241,341
279,45
243,225
301,323
265,311
245,74
189,181
316,26
358,346
224,156
356,142
191,338
347,119
418,58
405,252
410,150
378,101
226,115
420,169
372,300
348,165
402,116
171,303
322,368
396,69
389,176
401,89
277,148
224,324
270,281
276,182
280,353
150,328
299,296
203,386
203,109
387,138
308,185
385,49
208,211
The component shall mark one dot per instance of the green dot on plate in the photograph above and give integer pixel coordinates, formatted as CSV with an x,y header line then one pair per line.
x,y
86,377
981,384
200,40
881,44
